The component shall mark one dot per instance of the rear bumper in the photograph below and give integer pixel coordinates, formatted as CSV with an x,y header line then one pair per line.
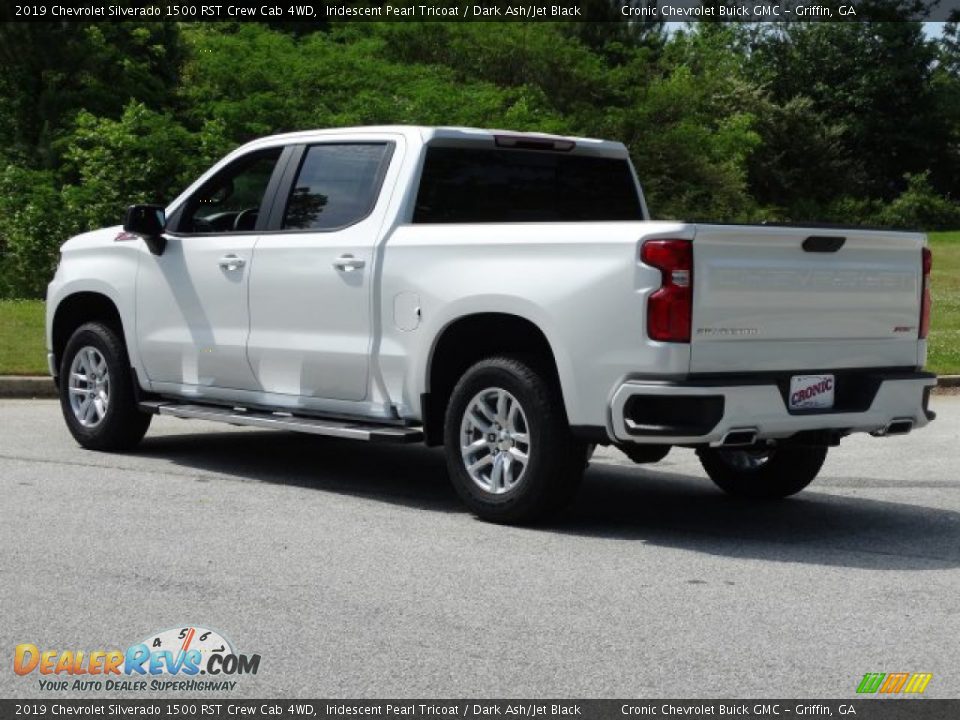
x,y
703,411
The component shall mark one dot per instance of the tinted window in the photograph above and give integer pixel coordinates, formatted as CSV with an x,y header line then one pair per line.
x,y
230,200
462,185
336,186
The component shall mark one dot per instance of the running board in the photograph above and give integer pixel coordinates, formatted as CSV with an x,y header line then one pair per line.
x,y
370,432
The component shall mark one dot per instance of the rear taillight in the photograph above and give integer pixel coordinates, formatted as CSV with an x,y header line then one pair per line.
x,y
925,301
670,309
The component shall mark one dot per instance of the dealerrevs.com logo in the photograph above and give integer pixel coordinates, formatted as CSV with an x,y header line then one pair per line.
x,y
168,660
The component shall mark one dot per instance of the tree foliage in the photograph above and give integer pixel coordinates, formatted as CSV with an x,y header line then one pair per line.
x,y
849,122
52,70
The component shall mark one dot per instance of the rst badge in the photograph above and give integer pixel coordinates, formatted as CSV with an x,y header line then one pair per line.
x,y
810,392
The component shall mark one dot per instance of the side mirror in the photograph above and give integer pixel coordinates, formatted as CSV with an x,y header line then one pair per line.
x,y
148,221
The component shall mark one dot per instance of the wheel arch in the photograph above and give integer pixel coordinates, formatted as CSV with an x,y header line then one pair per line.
x,y
78,308
469,338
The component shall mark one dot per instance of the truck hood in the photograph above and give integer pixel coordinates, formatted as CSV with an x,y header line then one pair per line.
x,y
93,238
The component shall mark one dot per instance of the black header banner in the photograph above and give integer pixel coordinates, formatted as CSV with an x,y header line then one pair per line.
x,y
485,11
216,708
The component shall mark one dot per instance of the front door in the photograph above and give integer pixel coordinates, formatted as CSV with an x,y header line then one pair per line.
x,y
192,312
310,299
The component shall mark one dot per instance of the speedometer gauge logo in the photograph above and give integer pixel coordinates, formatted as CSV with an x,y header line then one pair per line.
x,y
201,642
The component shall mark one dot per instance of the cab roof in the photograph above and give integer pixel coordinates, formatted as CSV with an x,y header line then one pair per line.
x,y
452,135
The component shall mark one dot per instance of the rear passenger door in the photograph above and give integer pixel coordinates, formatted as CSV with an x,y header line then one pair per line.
x,y
311,279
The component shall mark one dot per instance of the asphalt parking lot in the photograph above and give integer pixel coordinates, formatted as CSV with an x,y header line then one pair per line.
x,y
354,572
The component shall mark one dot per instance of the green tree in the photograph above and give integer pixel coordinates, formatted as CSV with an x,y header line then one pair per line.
x,y
690,127
868,83
803,162
920,207
52,70
852,122
144,156
33,225
345,77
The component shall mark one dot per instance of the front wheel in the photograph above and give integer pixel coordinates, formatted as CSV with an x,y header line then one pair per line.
x,y
766,473
96,390
510,453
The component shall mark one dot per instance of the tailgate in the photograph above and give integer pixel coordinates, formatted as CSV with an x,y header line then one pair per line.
x,y
772,298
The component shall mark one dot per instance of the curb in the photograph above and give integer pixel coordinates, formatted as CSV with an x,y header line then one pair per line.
x,y
17,386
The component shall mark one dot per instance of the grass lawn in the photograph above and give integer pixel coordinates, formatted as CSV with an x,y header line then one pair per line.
x,y
943,349
22,349
22,345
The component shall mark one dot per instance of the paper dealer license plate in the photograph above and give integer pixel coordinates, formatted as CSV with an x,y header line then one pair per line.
x,y
810,392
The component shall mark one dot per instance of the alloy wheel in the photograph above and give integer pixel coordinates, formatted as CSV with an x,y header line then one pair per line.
x,y
495,441
89,386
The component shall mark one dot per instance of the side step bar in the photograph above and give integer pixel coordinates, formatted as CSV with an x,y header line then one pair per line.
x,y
284,421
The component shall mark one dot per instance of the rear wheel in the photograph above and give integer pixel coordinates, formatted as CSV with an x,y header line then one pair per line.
x,y
510,453
643,454
765,473
96,390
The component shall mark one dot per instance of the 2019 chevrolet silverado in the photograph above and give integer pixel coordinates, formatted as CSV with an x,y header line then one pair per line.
x,y
503,294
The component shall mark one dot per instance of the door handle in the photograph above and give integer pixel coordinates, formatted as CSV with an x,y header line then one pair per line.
x,y
348,263
232,262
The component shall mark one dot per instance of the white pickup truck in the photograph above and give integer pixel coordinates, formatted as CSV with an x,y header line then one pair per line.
x,y
503,294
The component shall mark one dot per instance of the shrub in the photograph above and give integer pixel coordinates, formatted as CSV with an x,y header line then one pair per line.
x,y
920,207
33,225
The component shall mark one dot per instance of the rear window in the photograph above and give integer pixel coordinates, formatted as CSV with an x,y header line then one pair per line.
x,y
337,186
464,185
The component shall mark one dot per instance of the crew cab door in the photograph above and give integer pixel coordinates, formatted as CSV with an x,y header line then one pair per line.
x,y
192,312
312,276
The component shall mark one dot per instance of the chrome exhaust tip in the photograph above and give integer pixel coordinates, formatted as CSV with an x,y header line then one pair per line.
x,y
897,426
739,437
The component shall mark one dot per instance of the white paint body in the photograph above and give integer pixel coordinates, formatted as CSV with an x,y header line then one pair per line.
x,y
289,331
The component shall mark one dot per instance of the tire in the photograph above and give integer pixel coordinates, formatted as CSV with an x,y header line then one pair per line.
x,y
765,475
645,454
100,407
588,450
524,418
